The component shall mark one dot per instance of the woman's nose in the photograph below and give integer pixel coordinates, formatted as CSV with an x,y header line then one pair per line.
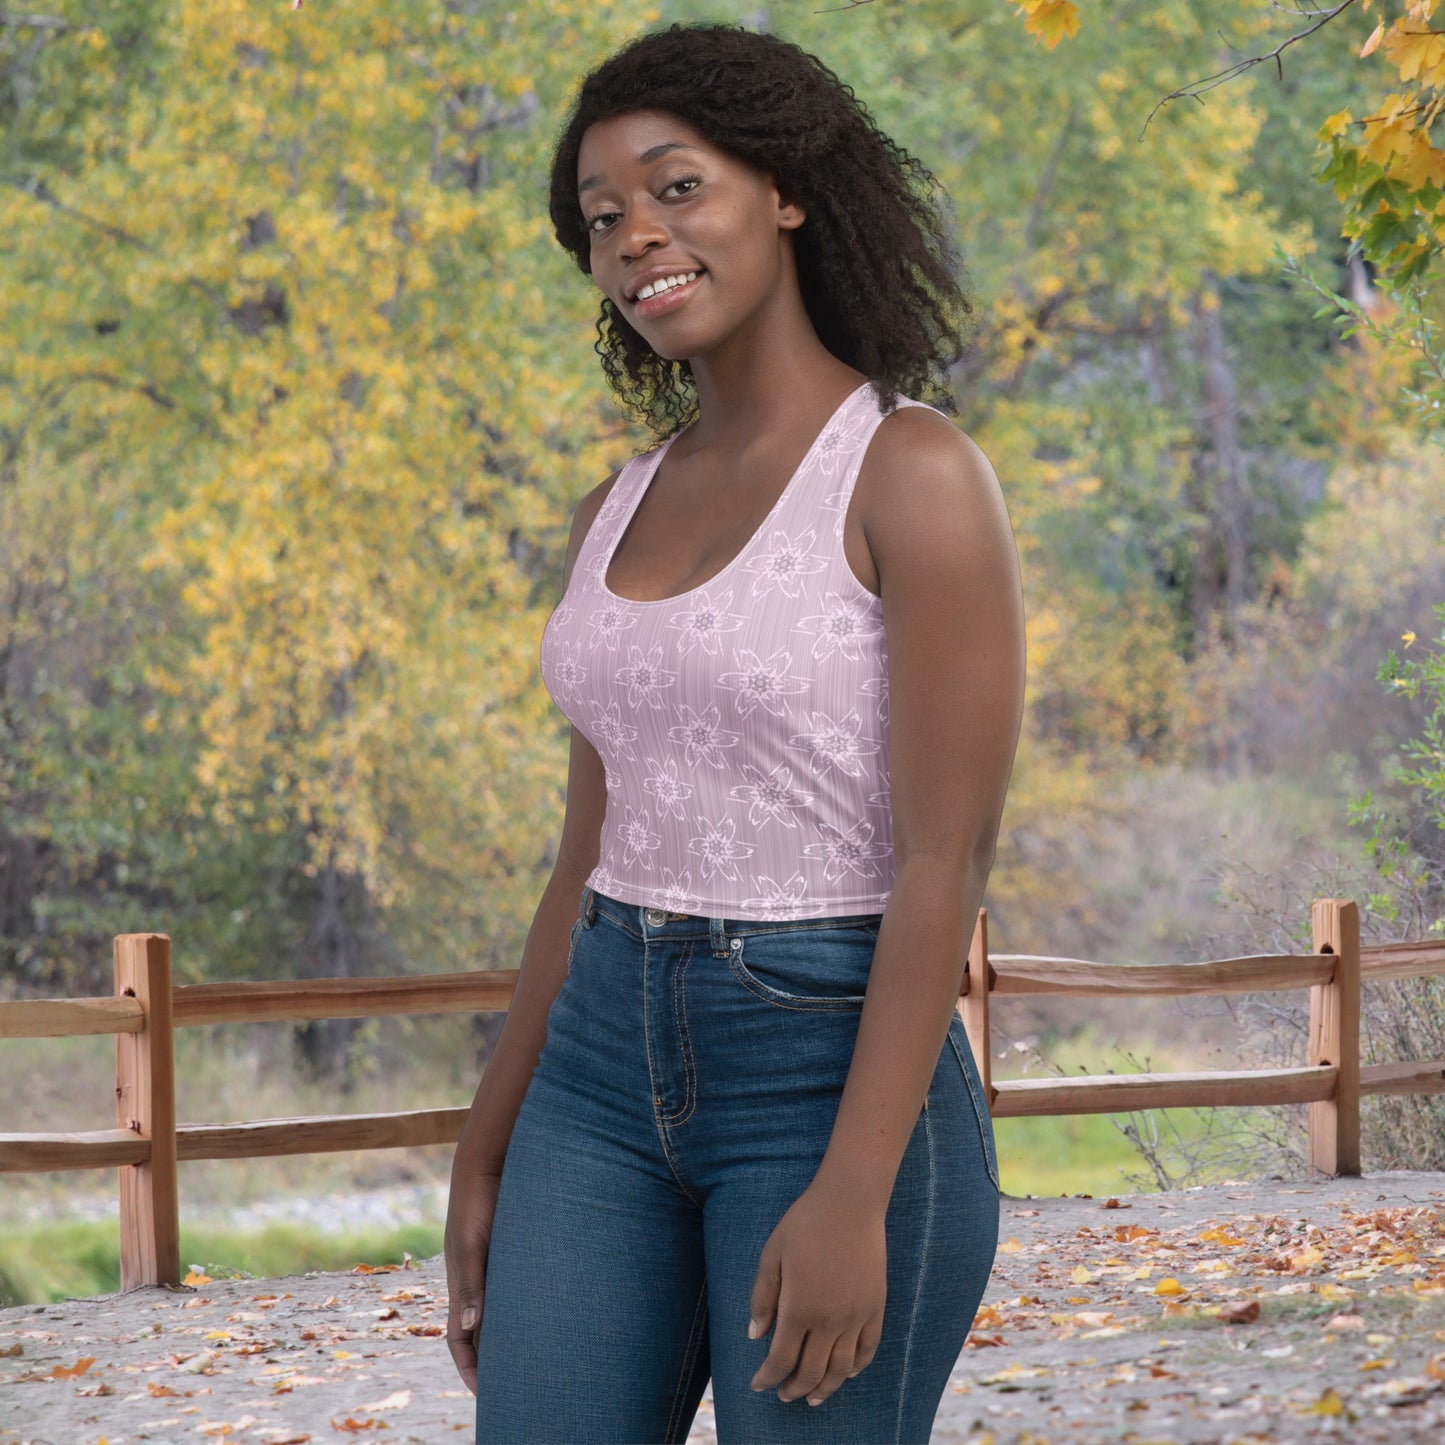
x,y
642,231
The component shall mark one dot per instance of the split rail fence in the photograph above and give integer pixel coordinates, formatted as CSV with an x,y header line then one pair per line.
x,y
148,1143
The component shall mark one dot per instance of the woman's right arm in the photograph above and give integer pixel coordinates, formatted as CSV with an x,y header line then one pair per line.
x,y
477,1164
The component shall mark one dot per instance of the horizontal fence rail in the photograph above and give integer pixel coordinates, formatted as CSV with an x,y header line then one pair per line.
x,y
148,1143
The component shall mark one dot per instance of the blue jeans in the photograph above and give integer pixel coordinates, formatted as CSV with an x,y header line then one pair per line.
x,y
682,1102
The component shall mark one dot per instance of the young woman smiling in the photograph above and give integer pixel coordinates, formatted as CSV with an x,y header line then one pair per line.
x,y
732,1127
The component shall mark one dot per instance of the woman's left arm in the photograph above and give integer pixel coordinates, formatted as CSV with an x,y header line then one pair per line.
x,y
939,534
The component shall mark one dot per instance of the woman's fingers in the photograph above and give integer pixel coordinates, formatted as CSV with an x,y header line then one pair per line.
x,y
812,1369
840,1368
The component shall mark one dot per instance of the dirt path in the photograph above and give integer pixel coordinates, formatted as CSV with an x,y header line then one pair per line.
x,y
1240,1313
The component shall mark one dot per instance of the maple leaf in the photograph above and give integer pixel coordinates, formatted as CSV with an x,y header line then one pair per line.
x,y
70,1372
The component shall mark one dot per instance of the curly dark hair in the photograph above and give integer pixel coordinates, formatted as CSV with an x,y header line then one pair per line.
x,y
878,274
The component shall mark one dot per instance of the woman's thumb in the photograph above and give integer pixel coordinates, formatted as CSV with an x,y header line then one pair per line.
x,y
764,1299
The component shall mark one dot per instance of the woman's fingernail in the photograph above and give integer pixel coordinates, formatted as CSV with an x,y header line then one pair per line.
x,y
753,1330
469,1318
815,1399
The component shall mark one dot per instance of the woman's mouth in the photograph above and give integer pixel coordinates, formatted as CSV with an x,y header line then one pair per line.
x,y
666,294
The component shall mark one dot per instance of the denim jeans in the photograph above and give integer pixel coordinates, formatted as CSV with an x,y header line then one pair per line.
x,y
683,1100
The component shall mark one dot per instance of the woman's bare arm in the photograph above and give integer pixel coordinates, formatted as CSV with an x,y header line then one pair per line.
x,y
938,532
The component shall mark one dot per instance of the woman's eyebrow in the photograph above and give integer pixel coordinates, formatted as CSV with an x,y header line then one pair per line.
x,y
646,158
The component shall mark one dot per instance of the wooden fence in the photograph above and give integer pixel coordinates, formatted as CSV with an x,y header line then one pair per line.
x,y
148,1143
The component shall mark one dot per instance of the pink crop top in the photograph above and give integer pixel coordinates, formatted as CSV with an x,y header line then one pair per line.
x,y
743,725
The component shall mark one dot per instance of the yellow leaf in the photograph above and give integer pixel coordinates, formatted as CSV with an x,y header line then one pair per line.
x,y
1080,1275
1376,35
1328,1404
1335,124
1051,20
1010,1246
1169,1286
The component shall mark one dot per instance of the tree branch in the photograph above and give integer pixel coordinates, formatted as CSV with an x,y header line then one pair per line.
x,y
1198,87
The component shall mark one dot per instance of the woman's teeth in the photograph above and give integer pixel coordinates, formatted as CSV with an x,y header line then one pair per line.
x,y
666,284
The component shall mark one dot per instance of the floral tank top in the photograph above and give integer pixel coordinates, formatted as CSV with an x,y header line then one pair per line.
x,y
743,725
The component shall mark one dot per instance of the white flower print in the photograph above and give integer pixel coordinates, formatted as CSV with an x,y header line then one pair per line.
x,y
613,734
676,894
611,779
770,795
762,684
782,900
835,744
877,687
669,789
719,848
703,735
568,672
638,838
705,621
646,678
840,626
607,621
602,880
837,502
563,613
785,564
850,852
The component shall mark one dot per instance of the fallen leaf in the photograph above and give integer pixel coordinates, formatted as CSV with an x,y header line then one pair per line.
x,y
70,1372
1169,1286
1377,1364
396,1401
195,1277
1114,1204
1243,1313
1219,1236
11,1351
1128,1233
1328,1404
1080,1275
1010,1246
1345,1322
374,1268
358,1425
982,1342
391,1314
99,1388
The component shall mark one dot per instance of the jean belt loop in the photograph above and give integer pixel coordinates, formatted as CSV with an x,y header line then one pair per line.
x,y
718,929
588,909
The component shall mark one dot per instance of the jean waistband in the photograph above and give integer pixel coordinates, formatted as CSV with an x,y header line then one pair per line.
x,y
647,922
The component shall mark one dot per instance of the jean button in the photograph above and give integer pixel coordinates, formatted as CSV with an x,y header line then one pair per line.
x,y
656,917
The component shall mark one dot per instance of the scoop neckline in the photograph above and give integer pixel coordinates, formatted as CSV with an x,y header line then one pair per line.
x,y
747,546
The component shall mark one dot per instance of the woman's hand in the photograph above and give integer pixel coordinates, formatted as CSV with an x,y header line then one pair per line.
x,y
821,1285
470,1209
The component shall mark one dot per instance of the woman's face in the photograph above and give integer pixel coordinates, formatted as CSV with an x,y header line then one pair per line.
x,y
702,233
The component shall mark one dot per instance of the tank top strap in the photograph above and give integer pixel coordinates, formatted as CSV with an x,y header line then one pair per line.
x,y
836,461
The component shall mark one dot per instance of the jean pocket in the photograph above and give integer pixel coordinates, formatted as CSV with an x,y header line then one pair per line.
x,y
963,1052
822,969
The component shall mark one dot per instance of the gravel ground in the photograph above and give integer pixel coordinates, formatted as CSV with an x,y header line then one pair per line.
x,y
1252,1313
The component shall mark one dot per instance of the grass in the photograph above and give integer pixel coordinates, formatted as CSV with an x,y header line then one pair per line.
x,y
72,1260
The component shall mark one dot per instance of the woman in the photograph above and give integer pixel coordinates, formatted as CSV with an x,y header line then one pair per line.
x,y
731,1127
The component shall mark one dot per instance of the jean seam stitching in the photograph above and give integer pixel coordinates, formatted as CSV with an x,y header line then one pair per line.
x,y
985,1131
679,1014
922,1276
799,1003
622,923
694,1338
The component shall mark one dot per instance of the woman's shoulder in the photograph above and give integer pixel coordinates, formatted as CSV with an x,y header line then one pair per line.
x,y
918,448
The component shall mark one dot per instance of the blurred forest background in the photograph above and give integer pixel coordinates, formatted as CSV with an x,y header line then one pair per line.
x,y
297,395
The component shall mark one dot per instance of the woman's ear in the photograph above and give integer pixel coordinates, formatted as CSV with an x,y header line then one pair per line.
x,y
790,215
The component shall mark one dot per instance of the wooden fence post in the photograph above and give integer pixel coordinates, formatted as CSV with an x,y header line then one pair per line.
x,y
145,1100
975,1004
1334,1125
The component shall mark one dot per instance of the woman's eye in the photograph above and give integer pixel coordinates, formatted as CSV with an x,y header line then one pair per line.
x,y
688,182
601,221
